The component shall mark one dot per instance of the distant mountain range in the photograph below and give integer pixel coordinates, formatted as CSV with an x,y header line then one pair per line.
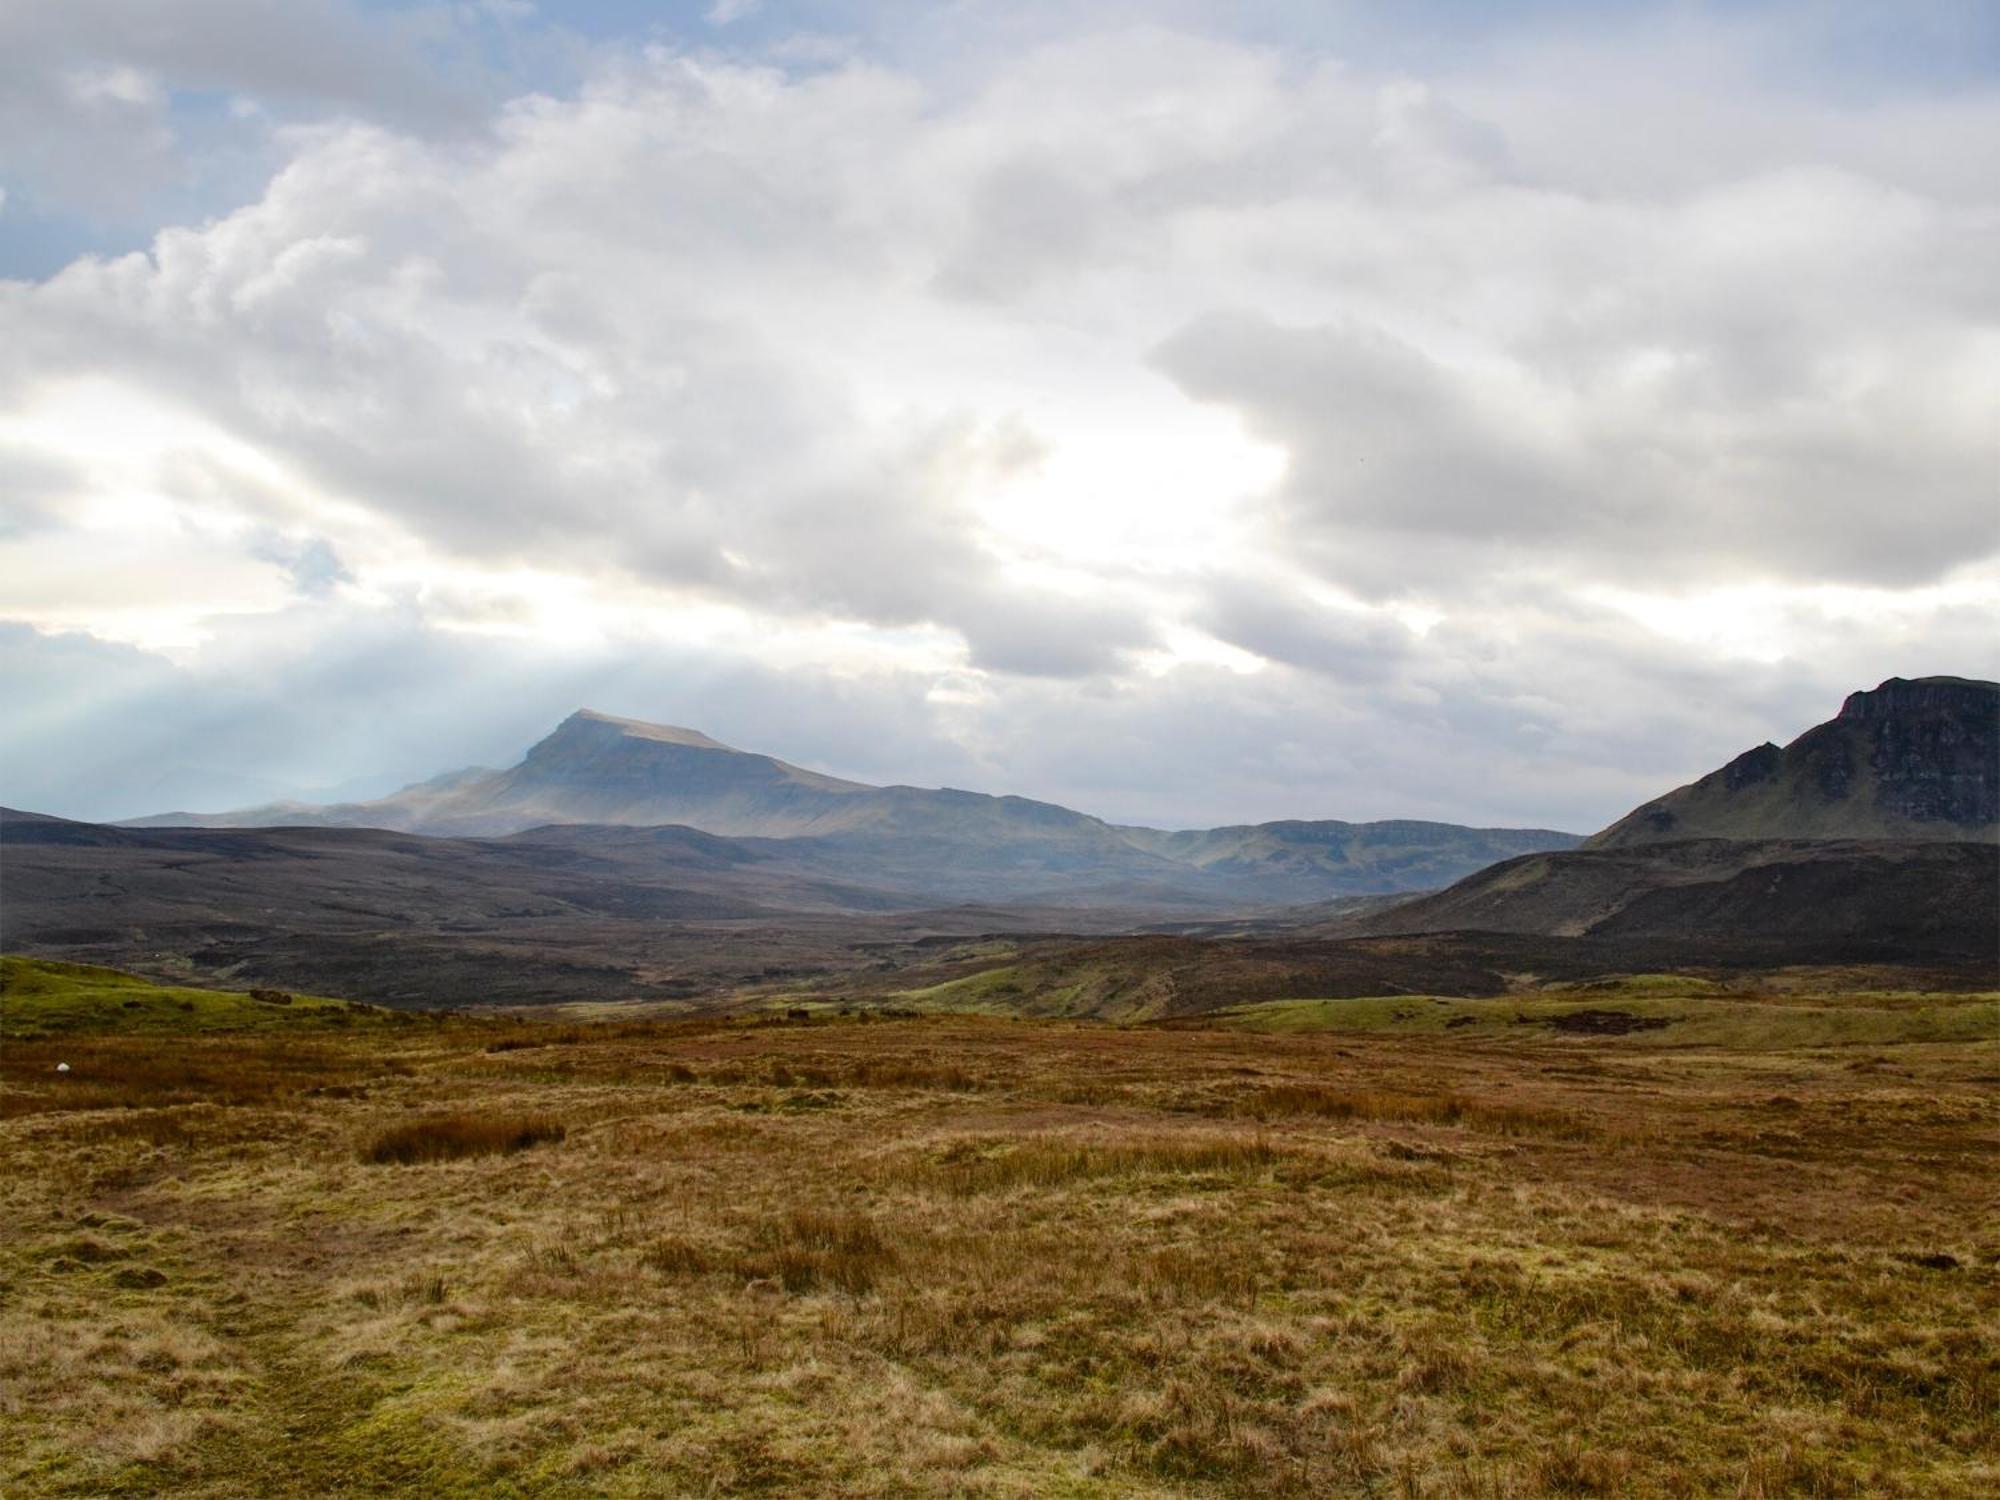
x,y
575,875
1878,830
939,845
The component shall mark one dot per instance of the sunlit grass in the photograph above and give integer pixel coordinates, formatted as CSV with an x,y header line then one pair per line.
x,y
42,997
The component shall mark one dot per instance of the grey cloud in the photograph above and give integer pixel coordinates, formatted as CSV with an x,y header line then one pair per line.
x,y
113,110
1408,476
1027,218
1042,634
1379,434
324,51
1280,625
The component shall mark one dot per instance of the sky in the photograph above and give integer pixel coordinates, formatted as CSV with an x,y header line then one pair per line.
x,y
1192,413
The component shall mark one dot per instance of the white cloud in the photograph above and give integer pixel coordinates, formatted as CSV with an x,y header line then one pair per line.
x,y
1153,383
728,12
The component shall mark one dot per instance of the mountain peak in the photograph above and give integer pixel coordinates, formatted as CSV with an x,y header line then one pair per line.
x,y
1913,758
589,721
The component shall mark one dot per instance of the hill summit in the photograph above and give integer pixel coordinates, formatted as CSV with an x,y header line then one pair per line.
x,y
1915,758
1871,835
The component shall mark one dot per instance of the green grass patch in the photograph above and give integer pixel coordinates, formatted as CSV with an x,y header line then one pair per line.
x,y
1102,992
1689,1020
998,1164
991,991
41,997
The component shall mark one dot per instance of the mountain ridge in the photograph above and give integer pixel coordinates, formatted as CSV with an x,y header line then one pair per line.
x,y
1880,826
596,769
1913,758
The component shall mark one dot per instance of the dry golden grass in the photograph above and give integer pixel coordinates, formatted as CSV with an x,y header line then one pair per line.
x,y
967,1257
1438,1108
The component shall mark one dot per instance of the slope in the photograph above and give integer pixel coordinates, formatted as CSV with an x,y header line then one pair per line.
x,y
1871,836
1913,759
1889,901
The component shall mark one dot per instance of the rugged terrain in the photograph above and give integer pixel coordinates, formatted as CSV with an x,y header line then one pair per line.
x,y
1635,1240
663,914
1871,836
1911,759
678,919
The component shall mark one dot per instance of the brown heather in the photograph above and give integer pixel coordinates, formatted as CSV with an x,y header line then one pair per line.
x,y
447,1137
955,1257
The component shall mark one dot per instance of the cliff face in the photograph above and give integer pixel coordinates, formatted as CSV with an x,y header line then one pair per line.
x,y
1912,759
1931,749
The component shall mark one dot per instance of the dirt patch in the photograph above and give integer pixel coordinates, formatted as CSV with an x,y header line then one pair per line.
x,y
1605,1022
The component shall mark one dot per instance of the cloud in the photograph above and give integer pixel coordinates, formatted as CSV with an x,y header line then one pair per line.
x,y
1716,452
105,110
1282,624
424,336
33,488
1319,420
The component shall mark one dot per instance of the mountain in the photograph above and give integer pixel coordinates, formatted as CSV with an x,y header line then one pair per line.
x,y
1914,759
1873,835
1397,854
593,769
947,844
1796,901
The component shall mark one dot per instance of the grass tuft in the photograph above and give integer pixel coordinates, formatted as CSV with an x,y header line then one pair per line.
x,y
449,1137
1322,1102
975,1165
810,1250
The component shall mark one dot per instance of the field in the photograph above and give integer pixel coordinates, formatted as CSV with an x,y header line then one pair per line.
x,y
1638,1240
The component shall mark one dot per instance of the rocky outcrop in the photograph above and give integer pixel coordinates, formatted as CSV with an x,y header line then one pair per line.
x,y
1911,759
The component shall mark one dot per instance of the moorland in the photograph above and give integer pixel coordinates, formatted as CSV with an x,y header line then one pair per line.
x,y
870,1141
1651,1235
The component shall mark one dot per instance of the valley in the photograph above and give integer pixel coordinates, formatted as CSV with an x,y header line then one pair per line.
x,y
1870,840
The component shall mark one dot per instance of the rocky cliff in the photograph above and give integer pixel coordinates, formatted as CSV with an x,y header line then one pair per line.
x,y
1912,759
